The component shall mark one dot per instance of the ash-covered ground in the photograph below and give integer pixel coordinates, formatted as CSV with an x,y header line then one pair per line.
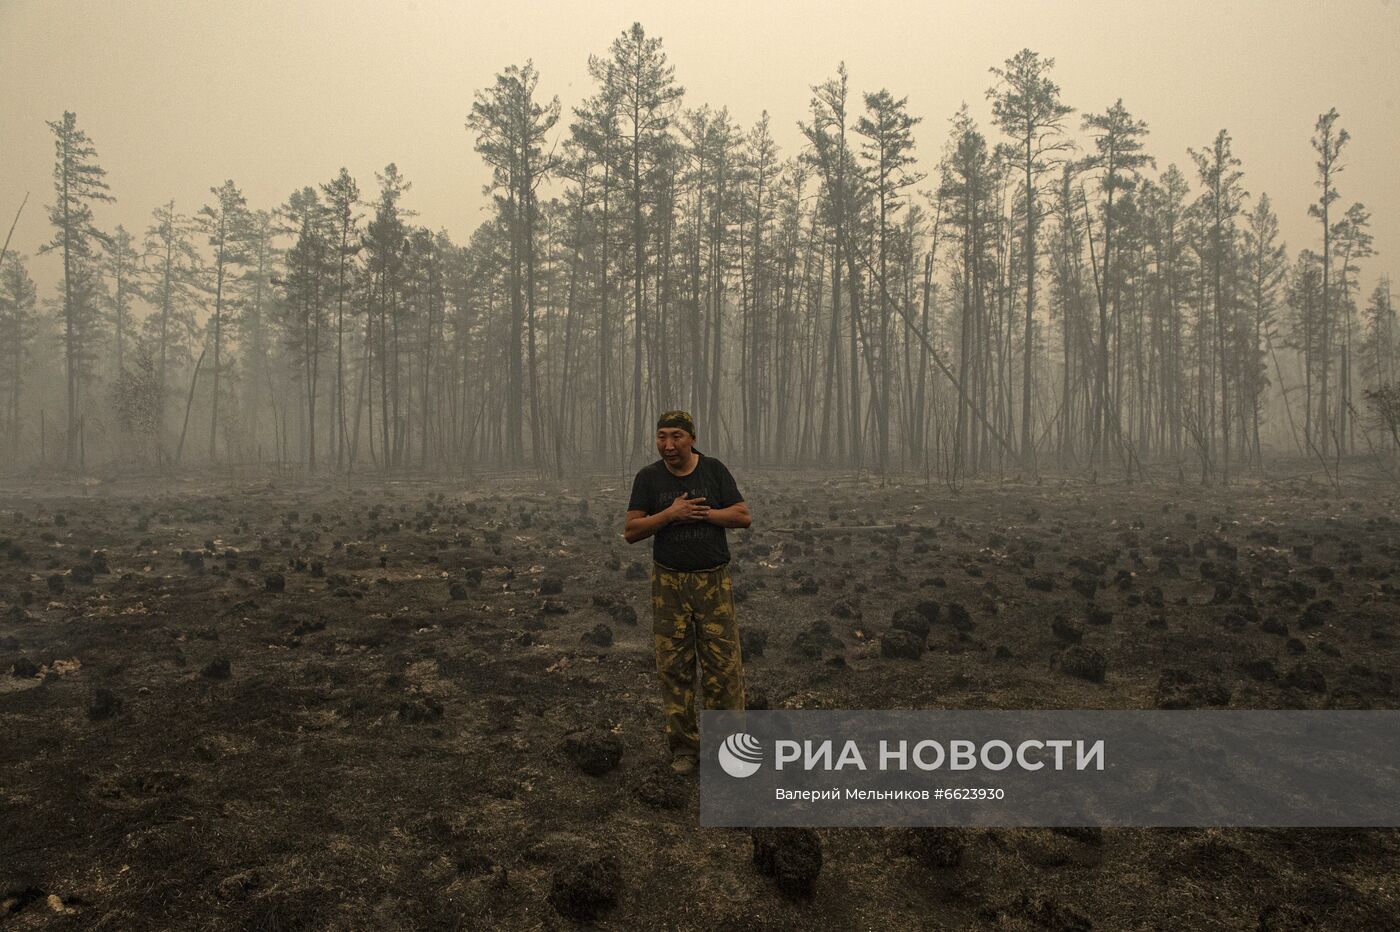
x,y
432,704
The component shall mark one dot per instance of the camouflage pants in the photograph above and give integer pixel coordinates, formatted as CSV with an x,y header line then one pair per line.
x,y
693,619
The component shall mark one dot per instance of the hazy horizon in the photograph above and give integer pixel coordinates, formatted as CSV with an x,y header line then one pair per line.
x,y
176,99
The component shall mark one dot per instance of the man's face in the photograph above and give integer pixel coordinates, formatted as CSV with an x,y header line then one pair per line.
x,y
674,443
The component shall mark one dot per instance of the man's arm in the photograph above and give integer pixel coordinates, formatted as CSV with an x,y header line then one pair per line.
x,y
736,513
640,525
735,516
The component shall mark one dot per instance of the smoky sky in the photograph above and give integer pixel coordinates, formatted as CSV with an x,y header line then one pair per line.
x,y
178,96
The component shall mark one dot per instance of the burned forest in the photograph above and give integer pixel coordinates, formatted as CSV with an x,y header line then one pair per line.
x,y
316,610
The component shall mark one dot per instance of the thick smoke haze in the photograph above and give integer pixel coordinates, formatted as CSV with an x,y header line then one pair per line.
x,y
178,96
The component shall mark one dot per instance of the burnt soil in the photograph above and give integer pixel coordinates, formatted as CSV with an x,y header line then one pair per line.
x,y
430,704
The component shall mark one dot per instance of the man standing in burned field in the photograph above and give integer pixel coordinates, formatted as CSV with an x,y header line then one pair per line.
x,y
686,500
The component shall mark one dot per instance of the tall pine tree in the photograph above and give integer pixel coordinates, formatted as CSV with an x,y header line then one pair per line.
x,y
78,184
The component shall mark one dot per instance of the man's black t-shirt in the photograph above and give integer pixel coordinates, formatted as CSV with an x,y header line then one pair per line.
x,y
686,545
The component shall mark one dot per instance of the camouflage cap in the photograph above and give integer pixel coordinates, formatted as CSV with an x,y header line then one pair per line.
x,y
681,419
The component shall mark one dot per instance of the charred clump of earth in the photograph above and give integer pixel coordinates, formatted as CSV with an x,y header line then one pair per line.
x,y
908,631
1036,909
586,886
1085,663
420,710
791,856
661,788
600,635
815,639
1183,689
24,668
595,751
220,668
752,642
105,704
936,847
